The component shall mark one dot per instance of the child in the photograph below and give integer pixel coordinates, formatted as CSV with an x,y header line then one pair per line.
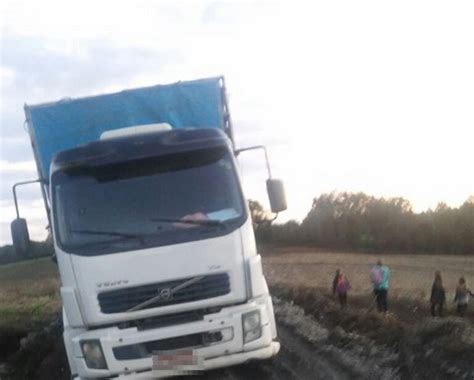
x,y
438,295
342,287
462,297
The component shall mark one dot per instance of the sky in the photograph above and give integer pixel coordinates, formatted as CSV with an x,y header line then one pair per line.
x,y
368,96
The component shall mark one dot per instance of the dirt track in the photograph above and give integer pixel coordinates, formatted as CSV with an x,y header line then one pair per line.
x,y
308,351
297,360
320,343
327,344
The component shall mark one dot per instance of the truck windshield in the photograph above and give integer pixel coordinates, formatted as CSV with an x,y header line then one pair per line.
x,y
145,203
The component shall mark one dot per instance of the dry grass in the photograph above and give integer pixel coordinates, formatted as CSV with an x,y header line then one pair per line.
x,y
29,294
386,329
428,348
29,291
411,275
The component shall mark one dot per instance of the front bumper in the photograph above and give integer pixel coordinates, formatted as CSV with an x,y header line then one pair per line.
x,y
221,361
215,355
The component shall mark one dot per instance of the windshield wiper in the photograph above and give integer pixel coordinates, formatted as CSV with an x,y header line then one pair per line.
x,y
209,222
122,235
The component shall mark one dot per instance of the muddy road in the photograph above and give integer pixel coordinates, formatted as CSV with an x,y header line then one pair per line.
x,y
308,351
297,360
314,345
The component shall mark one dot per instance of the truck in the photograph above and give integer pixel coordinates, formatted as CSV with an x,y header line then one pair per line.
x,y
153,237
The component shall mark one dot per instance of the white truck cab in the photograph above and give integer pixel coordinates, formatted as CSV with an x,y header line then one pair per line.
x,y
154,242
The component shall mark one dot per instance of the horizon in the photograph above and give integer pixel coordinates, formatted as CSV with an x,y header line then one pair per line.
x,y
369,97
278,221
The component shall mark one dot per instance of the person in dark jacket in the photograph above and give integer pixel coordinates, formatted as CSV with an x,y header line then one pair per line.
x,y
334,282
438,295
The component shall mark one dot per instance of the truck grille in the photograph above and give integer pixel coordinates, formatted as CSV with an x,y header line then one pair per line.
x,y
121,300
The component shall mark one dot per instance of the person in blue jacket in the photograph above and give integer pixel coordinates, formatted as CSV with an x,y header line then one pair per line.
x,y
462,297
380,277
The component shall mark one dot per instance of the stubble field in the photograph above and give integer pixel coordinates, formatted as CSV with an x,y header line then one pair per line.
x,y
300,279
29,291
411,275
29,294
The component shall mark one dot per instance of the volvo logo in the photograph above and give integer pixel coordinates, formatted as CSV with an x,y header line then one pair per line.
x,y
165,294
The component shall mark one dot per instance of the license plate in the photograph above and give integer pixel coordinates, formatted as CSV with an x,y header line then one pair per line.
x,y
179,361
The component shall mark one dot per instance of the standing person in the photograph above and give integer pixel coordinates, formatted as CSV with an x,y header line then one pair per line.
x,y
334,282
380,276
462,297
438,295
342,287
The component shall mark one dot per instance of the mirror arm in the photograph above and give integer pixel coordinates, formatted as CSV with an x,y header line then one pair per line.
x,y
14,192
274,218
267,161
267,220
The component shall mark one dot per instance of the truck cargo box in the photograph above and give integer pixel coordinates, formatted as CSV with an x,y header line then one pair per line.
x,y
68,123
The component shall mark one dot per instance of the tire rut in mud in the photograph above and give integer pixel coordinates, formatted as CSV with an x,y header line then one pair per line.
x,y
297,359
312,351
308,351
306,360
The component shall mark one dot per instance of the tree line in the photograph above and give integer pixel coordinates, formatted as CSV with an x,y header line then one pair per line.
x,y
346,220
37,249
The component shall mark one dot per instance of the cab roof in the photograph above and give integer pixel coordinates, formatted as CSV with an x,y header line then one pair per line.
x,y
141,146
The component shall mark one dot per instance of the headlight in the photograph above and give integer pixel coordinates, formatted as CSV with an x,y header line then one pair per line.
x,y
251,326
92,351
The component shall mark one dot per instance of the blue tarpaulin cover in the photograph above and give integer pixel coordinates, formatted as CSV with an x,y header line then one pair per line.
x,y
68,123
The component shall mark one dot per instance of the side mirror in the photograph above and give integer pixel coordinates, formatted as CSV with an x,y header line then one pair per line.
x,y
20,236
276,195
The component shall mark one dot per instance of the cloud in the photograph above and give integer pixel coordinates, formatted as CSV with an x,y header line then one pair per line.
x,y
19,166
36,230
13,172
107,19
367,96
38,73
35,215
7,76
15,148
27,192
240,14
43,73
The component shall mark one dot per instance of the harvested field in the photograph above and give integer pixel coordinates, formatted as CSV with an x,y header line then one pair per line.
x,y
29,294
375,345
29,300
411,275
318,339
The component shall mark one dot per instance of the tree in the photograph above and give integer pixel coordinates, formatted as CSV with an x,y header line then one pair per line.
x,y
357,220
257,212
261,222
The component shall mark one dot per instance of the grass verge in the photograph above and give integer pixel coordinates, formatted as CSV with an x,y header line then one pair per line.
x,y
29,294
